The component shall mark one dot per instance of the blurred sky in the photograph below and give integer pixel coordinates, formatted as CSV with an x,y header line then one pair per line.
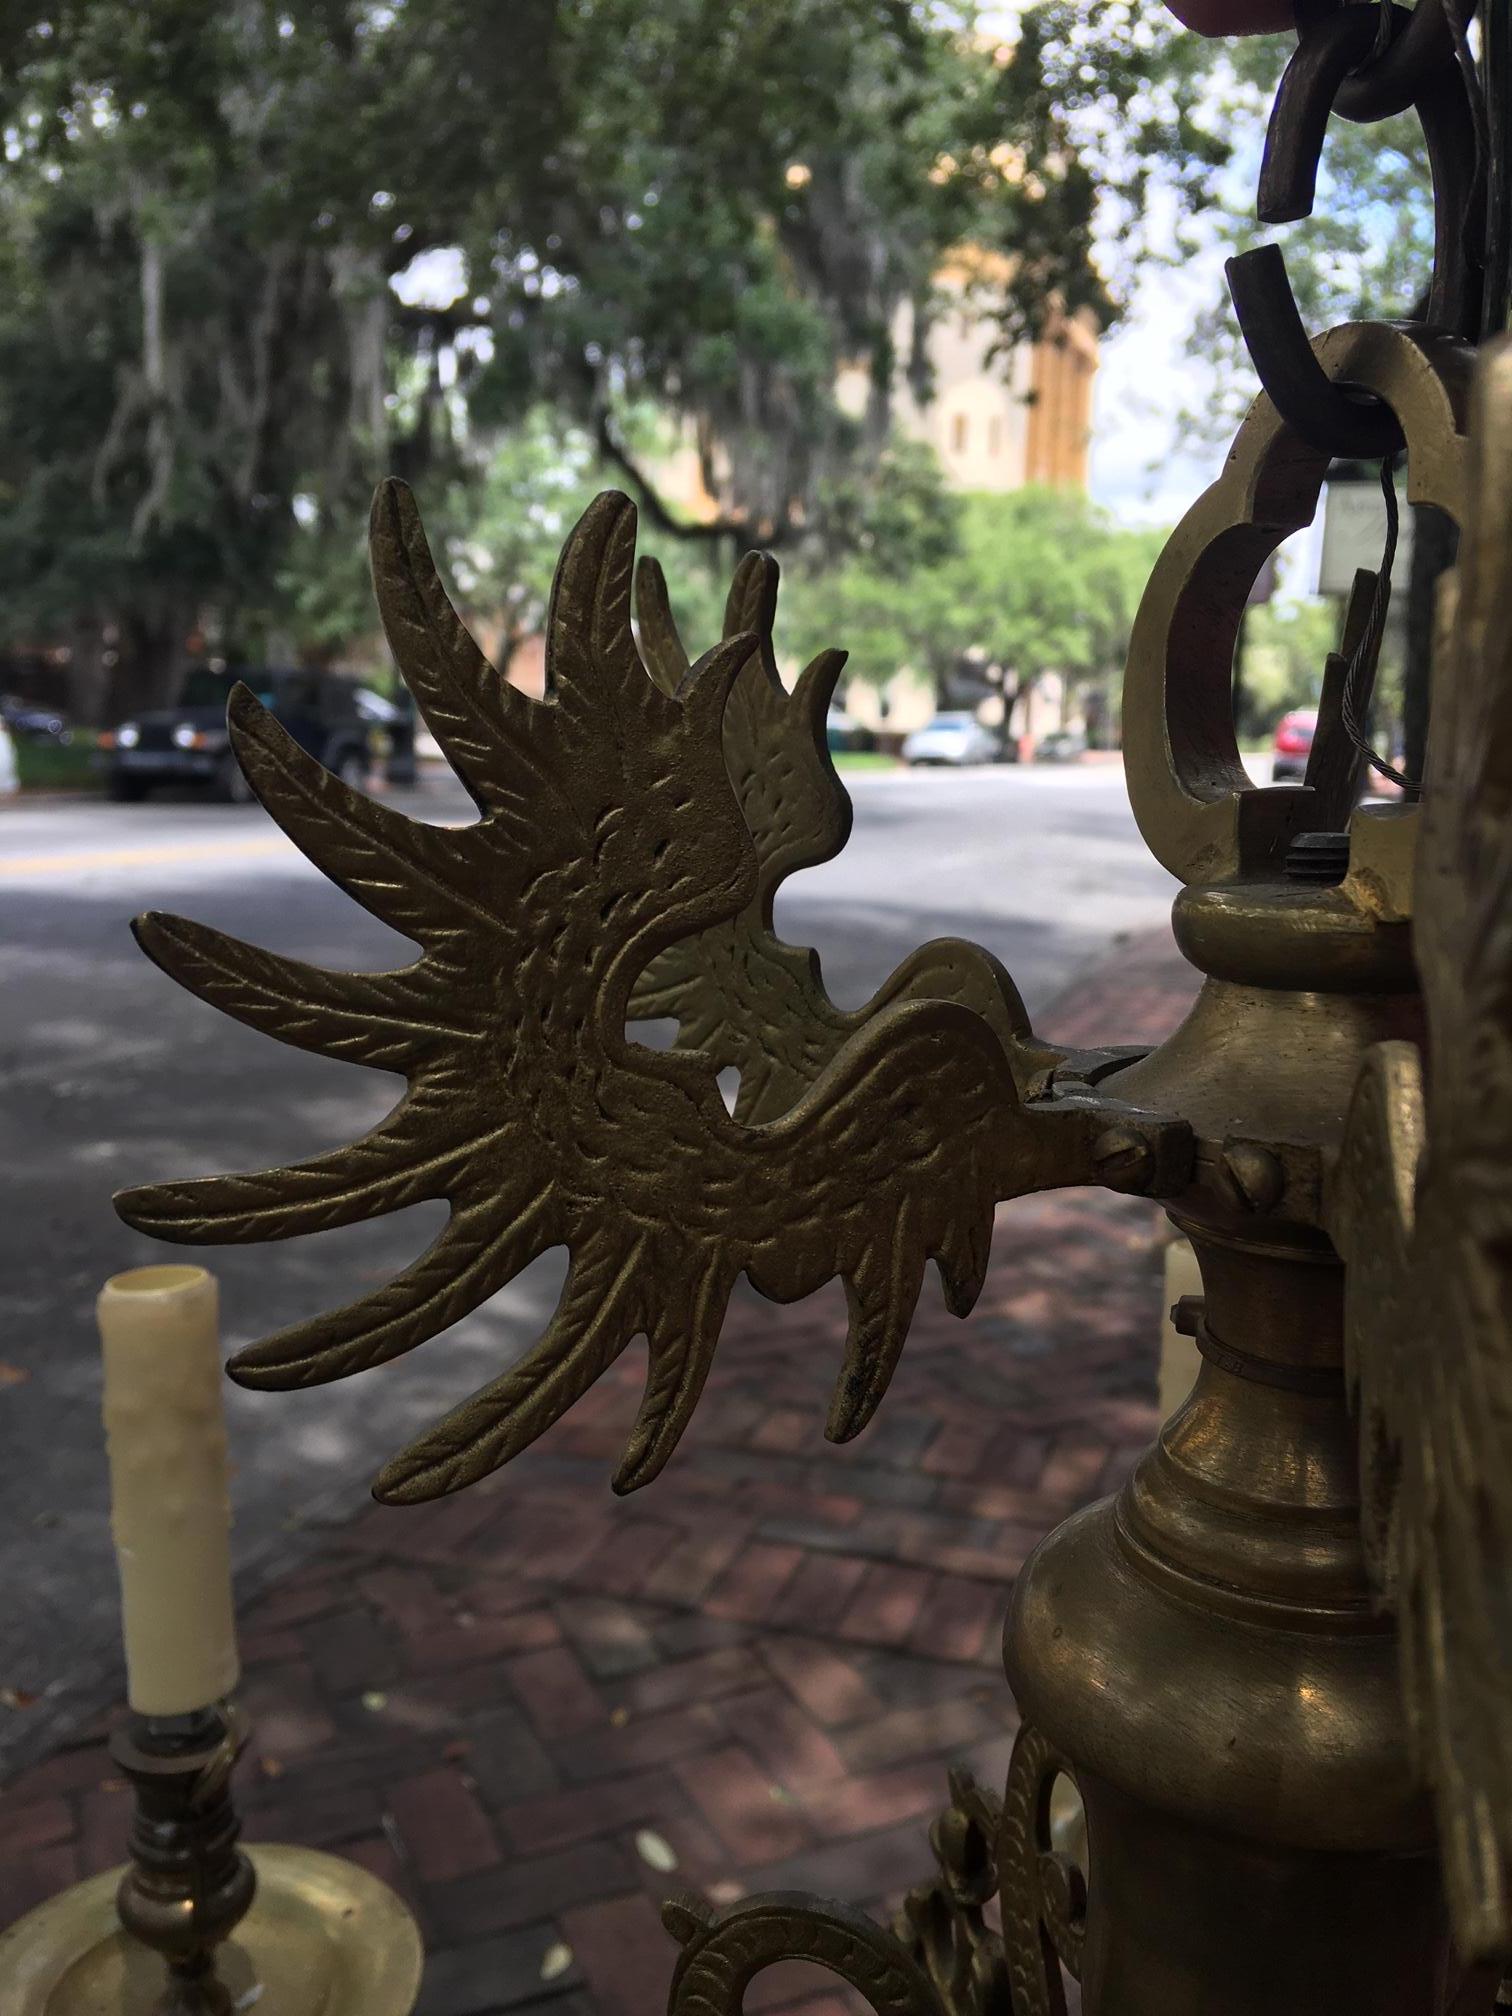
x,y
1140,469
1144,469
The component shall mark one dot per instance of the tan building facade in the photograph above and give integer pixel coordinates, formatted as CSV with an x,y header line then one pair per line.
x,y
997,420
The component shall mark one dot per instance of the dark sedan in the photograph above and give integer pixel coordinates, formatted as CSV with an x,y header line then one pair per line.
x,y
188,744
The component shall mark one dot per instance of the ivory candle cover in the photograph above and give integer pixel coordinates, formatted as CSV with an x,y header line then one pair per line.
x,y
165,1432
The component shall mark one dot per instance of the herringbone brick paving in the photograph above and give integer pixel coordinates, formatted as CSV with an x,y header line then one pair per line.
x,y
534,1709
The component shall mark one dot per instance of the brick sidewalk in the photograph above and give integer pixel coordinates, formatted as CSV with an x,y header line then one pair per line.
x,y
535,1709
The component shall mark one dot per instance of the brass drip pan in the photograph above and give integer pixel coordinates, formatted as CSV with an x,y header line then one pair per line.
x,y
323,1938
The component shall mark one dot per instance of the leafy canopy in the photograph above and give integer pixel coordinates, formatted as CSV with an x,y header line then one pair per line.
x,y
587,206
1040,581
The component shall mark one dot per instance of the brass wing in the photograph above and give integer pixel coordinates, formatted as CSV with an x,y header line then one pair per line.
x,y
741,995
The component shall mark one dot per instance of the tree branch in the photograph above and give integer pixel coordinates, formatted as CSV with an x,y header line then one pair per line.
x,y
766,534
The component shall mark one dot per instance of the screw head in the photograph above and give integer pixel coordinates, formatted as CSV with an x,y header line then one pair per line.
x,y
1254,1176
1122,1159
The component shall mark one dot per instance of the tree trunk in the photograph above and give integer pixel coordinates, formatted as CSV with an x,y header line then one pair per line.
x,y
88,674
149,664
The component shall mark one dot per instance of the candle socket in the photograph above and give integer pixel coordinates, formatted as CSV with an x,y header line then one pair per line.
x,y
188,1885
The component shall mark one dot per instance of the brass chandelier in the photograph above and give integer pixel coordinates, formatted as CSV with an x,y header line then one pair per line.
x,y
1277,1666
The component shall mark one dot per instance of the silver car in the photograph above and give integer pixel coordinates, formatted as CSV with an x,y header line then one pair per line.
x,y
952,738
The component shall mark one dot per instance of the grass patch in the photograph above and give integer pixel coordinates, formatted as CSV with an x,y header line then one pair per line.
x,y
862,759
59,766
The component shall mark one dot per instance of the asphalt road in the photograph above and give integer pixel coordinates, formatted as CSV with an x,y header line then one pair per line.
x,y
110,1075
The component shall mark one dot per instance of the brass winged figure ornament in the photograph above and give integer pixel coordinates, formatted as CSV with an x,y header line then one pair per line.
x,y
610,830
1421,1209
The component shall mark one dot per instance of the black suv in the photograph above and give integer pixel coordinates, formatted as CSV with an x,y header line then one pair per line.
x,y
188,744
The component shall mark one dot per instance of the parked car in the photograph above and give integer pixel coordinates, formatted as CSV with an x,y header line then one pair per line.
x,y
28,721
189,744
394,722
1061,745
955,739
1294,740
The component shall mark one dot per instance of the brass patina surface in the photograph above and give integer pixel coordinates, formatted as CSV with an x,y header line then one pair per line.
x,y
196,1925
611,829
944,1923
740,995
724,1952
1420,1206
188,1885
324,1938
1210,1650
1213,1655
1200,815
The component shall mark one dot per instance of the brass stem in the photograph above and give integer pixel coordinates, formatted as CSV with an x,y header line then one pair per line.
x,y
189,1885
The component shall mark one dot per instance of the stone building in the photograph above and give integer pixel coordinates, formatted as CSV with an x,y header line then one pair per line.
x,y
996,422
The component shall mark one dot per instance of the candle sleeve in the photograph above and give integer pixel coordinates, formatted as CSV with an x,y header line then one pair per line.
x,y
165,1435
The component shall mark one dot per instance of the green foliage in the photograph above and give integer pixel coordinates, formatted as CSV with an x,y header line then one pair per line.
x,y
704,205
1039,581
638,222
901,515
1286,645
58,766
501,534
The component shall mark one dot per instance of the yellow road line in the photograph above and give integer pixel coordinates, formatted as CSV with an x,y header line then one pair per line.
x,y
134,857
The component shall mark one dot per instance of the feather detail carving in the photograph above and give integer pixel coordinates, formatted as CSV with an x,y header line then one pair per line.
x,y
741,995
1420,1206
610,829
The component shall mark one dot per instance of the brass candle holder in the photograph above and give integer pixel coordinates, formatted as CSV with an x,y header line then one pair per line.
x,y
196,1925
188,1885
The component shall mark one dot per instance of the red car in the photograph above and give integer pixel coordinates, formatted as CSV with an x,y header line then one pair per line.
x,y
1294,740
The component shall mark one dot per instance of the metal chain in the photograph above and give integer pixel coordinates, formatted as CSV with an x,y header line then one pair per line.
x,y
1383,31
1496,67
1458,25
1360,676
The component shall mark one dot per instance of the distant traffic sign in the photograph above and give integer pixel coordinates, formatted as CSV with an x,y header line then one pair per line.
x,y
1354,536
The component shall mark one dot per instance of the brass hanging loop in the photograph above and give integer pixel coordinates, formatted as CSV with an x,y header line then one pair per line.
x,y
1387,82
1199,813
1332,71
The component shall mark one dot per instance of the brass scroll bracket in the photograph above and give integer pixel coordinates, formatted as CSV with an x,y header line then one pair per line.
x,y
941,1958
943,1923
1044,1892
724,1951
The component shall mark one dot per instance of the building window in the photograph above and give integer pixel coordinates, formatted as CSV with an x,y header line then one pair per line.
x,y
958,434
994,436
